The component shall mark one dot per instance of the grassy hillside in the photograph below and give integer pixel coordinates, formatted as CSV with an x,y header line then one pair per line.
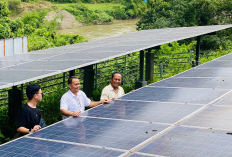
x,y
99,6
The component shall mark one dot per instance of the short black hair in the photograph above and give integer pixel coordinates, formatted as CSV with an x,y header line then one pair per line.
x,y
31,90
115,73
71,78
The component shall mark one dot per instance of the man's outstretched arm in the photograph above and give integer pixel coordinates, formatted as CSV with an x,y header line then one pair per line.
x,y
69,113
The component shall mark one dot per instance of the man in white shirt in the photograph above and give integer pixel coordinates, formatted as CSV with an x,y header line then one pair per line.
x,y
113,90
74,101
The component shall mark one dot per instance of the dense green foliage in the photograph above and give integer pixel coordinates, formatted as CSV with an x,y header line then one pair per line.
x,y
86,1
134,8
130,9
176,13
41,33
185,13
85,15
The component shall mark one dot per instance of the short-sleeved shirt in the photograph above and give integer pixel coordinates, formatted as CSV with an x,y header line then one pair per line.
x,y
29,117
108,92
72,103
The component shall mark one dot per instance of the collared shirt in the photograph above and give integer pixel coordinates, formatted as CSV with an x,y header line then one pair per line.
x,y
72,103
108,92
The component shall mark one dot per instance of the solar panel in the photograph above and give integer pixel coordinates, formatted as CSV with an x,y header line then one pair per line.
x,y
180,95
216,72
225,57
46,65
158,112
217,64
188,141
219,83
25,57
5,85
142,155
43,147
18,77
218,117
49,51
78,56
141,123
110,133
4,64
227,100
119,45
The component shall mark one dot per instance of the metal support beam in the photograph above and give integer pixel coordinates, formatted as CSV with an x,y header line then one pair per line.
x,y
88,82
149,65
141,81
141,66
72,73
198,62
64,80
15,104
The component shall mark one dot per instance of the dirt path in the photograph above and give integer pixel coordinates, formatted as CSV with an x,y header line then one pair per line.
x,y
66,20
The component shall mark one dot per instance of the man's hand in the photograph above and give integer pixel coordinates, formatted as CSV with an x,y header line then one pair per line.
x,y
105,101
35,129
76,113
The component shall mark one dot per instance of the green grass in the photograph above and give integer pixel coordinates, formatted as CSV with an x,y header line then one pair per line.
x,y
100,6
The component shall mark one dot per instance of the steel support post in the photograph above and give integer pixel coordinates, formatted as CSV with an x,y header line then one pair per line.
x,y
88,82
15,104
149,65
141,81
64,80
124,72
72,73
96,76
198,62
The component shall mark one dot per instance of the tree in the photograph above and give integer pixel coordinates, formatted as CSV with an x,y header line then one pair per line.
x,y
4,11
183,13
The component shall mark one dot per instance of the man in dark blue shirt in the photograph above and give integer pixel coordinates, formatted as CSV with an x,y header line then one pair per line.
x,y
30,117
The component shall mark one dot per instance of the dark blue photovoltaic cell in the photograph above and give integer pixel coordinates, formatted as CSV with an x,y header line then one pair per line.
x,y
221,83
144,111
34,147
101,132
191,142
227,100
219,117
217,64
182,95
197,72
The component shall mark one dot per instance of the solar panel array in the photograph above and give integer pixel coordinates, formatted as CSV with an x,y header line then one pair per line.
x,y
185,115
22,68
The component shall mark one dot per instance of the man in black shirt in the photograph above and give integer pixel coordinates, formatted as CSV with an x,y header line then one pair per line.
x,y
30,116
